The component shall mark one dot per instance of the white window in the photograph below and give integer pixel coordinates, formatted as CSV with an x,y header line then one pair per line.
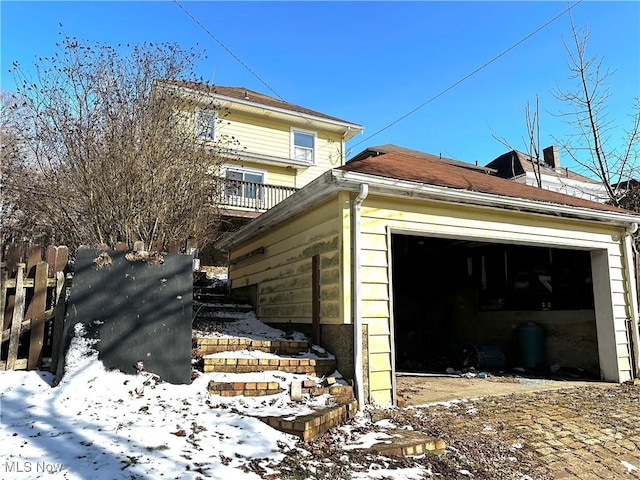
x,y
244,184
206,123
303,146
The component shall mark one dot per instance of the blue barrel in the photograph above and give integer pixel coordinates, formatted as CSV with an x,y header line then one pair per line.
x,y
531,345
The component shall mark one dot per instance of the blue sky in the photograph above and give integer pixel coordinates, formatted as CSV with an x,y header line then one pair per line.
x,y
369,62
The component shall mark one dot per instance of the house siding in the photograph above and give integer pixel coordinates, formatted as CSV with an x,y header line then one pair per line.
x,y
379,215
283,276
264,136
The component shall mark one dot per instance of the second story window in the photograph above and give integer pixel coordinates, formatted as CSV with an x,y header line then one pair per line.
x,y
303,145
206,121
242,183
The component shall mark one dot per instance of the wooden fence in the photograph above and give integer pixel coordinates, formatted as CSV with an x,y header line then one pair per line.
x,y
32,299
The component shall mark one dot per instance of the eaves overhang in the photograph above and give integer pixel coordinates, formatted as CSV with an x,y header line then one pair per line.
x,y
321,122
336,180
349,130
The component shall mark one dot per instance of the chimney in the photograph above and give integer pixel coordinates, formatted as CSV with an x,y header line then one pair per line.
x,y
551,157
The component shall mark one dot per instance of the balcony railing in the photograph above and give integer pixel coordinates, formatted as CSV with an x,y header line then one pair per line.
x,y
251,195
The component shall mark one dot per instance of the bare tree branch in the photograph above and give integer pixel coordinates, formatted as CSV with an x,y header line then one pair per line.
x,y
593,145
118,149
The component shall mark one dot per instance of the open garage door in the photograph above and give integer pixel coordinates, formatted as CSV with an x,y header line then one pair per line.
x,y
495,307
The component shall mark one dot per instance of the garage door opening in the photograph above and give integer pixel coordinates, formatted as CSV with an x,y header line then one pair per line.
x,y
494,307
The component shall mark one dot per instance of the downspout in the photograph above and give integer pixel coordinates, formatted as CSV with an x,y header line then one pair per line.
x,y
633,297
356,295
343,154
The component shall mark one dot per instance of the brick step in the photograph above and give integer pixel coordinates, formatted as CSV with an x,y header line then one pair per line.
x,y
247,389
211,297
311,426
404,443
221,307
310,366
205,346
202,318
341,393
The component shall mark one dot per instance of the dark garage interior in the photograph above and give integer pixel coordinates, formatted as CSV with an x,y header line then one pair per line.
x,y
494,307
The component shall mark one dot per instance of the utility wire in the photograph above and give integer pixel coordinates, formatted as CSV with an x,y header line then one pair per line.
x,y
466,77
228,50
414,110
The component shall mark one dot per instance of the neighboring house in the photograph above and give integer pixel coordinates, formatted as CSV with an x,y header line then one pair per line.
x,y
388,148
396,262
521,167
270,148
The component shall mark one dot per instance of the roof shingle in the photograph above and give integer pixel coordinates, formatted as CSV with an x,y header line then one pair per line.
x,y
433,172
246,95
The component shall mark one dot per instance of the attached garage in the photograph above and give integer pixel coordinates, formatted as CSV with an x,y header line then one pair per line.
x,y
396,263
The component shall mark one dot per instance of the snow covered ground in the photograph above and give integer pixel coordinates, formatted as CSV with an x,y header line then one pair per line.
x,y
103,424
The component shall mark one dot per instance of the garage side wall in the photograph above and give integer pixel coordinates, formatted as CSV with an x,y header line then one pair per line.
x,y
380,216
281,277
282,274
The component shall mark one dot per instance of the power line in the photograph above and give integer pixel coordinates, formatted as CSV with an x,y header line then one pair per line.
x,y
466,77
228,50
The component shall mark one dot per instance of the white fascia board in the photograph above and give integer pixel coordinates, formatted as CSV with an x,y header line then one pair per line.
x,y
333,181
348,129
393,187
338,125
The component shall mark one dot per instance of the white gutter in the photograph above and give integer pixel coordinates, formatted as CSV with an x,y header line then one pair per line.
x,y
356,295
403,188
336,180
633,298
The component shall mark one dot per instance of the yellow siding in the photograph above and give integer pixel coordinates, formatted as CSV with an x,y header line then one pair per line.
x,y
270,137
461,221
471,222
381,397
283,275
280,176
375,291
375,309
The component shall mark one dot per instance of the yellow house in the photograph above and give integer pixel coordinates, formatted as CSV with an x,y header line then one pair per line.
x,y
400,262
269,148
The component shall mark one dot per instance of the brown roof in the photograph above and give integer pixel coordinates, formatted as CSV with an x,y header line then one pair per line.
x,y
433,172
514,163
389,147
246,95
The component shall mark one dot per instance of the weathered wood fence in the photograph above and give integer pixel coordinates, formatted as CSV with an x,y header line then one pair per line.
x,y
32,299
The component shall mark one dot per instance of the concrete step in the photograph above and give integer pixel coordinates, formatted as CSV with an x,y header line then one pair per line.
x,y
310,366
206,346
311,426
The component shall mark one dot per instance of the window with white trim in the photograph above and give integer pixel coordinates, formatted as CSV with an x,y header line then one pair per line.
x,y
303,146
206,121
244,183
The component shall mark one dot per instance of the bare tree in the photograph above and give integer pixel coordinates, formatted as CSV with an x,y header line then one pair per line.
x,y
16,178
113,151
612,160
532,141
